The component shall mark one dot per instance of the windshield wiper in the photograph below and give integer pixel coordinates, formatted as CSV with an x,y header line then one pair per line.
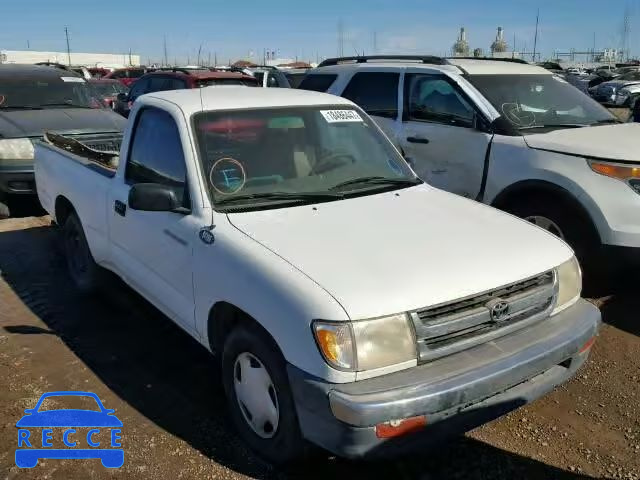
x,y
64,104
607,121
556,125
401,182
20,107
301,196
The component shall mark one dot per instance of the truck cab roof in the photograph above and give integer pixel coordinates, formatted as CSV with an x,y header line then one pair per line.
x,y
240,98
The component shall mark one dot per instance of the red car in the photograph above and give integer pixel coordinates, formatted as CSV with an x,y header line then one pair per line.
x,y
178,79
128,75
107,90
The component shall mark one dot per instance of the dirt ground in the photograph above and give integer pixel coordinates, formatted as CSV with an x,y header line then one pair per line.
x,y
165,389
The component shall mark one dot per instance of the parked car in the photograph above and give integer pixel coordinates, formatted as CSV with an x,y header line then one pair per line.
x,y
608,93
351,304
80,70
35,99
127,76
268,76
178,79
510,135
295,76
554,67
107,90
99,72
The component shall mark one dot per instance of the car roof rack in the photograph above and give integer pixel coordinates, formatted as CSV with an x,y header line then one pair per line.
x,y
186,71
430,59
493,59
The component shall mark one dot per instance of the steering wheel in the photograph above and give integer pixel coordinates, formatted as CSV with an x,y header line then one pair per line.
x,y
331,161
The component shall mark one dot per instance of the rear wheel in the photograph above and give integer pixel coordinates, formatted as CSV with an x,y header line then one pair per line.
x,y
258,395
85,272
4,211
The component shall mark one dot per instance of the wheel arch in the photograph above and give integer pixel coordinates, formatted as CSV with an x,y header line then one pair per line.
x,y
62,209
223,318
529,188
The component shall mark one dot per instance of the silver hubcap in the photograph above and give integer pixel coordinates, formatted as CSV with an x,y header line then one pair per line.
x,y
546,224
256,395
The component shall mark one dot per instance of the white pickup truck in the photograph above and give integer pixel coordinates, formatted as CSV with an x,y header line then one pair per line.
x,y
351,303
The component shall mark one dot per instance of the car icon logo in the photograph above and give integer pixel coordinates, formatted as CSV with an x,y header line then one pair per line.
x,y
68,425
498,309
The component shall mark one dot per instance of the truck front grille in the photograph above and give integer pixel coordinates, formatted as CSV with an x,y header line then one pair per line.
x,y
455,326
103,142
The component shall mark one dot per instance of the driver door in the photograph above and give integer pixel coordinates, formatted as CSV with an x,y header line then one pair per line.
x,y
440,134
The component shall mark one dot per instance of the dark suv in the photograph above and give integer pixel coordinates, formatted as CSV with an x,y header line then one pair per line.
x,y
35,99
178,79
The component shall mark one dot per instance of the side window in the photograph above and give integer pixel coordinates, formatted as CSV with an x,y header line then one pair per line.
x,y
272,81
433,99
156,155
156,84
375,92
317,82
175,84
138,88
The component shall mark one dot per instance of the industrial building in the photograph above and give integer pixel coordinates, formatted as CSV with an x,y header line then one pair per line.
x,y
113,60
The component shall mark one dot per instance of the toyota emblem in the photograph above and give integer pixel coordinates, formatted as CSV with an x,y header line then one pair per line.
x,y
499,309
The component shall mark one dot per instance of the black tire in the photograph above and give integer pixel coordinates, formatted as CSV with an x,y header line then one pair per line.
x,y
575,228
286,446
84,271
4,211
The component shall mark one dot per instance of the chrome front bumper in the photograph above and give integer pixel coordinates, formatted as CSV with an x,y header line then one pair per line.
x,y
460,391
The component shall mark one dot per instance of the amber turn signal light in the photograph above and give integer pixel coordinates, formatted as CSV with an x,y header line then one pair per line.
x,y
397,428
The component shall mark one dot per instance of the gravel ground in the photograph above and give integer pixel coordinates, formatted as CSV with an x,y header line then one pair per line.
x,y
166,391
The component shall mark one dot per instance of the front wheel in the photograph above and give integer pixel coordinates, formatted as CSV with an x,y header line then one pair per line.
x,y
258,395
564,220
4,211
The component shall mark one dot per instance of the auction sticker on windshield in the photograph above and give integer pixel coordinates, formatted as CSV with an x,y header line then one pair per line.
x,y
335,116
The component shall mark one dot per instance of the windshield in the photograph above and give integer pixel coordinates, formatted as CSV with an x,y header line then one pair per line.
x,y
272,157
108,89
630,76
247,82
45,92
536,101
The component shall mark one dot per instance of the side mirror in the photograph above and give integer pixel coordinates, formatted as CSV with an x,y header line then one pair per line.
x,y
122,97
153,197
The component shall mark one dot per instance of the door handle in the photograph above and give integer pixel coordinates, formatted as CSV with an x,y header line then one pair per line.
x,y
417,140
120,208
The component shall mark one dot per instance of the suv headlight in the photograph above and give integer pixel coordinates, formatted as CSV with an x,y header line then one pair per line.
x,y
16,151
569,284
626,173
366,344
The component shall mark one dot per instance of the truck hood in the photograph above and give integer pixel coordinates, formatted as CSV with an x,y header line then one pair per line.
x,y
609,142
33,123
399,251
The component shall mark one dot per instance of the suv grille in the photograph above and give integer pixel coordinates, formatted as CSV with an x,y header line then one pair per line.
x,y
103,142
455,326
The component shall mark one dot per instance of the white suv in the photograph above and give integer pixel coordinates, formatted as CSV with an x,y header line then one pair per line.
x,y
508,134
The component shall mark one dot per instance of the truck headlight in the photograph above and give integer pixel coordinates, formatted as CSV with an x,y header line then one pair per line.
x,y
569,284
16,151
366,344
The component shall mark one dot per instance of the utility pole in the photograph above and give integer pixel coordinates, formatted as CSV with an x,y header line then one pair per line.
x,y
209,61
66,32
166,60
130,56
199,50
375,43
535,39
340,39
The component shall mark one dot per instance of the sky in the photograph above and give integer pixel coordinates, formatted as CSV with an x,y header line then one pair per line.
x,y
307,30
